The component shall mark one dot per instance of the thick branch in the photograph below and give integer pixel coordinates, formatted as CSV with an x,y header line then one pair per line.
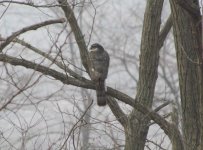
x,y
168,128
164,32
149,52
117,111
32,27
77,33
45,70
148,73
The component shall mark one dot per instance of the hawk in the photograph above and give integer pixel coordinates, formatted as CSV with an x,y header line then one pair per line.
x,y
99,59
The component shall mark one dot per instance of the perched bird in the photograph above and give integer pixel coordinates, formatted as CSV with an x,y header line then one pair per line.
x,y
99,59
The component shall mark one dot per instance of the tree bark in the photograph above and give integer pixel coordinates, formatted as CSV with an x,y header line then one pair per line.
x,y
187,36
137,126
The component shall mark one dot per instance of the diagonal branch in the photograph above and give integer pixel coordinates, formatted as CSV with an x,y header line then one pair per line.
x,y
170,129
117,111
162,106
45,55
164,32
77,33
32,27
45,70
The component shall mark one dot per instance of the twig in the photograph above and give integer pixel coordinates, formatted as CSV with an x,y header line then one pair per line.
x,y
30,4
75,125
53,60
168,128
32,27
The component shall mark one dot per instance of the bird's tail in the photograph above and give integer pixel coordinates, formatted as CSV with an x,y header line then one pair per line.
x,y
100,90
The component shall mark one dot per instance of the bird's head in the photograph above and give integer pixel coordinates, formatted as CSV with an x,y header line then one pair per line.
x,y
96,47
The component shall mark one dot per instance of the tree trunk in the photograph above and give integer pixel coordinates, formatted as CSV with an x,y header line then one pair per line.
x,y
137,127
136,132
187,35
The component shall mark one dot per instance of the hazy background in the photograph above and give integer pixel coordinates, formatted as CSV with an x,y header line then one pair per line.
x,y
43,115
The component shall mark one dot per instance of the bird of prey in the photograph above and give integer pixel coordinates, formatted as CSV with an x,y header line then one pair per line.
x,y
99,59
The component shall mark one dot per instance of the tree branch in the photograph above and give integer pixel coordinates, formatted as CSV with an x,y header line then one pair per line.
x,y
77,33
162,106
168,128
164,32
117,111
31,4
45,55
46,71
32,27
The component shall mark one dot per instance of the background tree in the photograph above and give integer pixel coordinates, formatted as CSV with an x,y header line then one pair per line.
x,y
42,106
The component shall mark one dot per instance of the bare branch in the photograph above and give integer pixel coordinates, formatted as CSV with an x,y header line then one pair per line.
x,y
165,30
45,70
53,60
84,83
32,27
77,33
162,106
149,52
75,125
157,145
117,111
30,4
168,128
